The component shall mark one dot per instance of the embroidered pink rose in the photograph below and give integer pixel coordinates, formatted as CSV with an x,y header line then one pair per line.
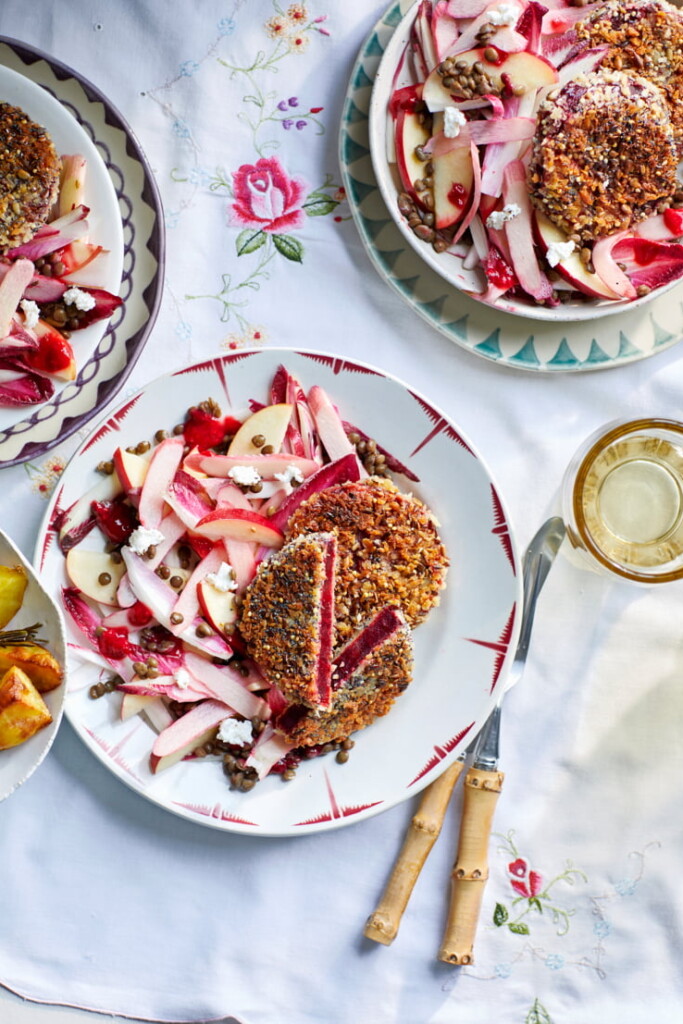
x,y
525,882
266,197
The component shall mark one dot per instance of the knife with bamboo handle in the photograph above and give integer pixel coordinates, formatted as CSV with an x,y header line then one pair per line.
x,y
425,826
483,781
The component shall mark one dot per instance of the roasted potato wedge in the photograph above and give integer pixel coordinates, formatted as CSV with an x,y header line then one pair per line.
x,y
23,712
13,582
40,666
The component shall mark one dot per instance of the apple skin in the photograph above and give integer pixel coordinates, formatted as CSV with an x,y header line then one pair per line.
x,y
572,269
240,524
84,569
271,423
158,478
79,518
453,180
131,470
186,734
409,135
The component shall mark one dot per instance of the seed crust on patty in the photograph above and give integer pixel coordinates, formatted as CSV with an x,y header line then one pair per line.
x,y
29,176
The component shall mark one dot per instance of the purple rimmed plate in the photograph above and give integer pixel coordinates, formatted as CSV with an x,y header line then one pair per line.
x,y
126,217
462,652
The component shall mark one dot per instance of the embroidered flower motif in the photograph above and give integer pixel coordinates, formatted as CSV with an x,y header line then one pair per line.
x,y
43,479
189,67
181,130
525,882
554,962
297,13
340,195
503,970
276,27
602,928
183,330
298,43
226,26
266,197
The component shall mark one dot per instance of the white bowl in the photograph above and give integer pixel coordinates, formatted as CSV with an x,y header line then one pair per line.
x,y
18,763
446,264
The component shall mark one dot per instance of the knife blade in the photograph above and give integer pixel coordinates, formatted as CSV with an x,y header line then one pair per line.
x,y
483,782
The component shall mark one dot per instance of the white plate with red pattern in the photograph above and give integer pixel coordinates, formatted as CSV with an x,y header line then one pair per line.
x,y
462,652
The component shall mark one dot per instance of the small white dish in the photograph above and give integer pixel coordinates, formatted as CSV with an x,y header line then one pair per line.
x,y
446,264
18,763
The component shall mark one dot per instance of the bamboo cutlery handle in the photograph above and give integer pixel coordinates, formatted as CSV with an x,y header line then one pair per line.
x,y
471,868
422,833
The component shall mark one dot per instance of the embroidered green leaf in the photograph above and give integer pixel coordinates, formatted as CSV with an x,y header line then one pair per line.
x,y
320,206
535,902
519,928
249,241
500,915
291,248
538,1014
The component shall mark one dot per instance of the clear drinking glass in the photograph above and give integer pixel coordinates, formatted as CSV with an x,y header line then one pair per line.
x,y
622,500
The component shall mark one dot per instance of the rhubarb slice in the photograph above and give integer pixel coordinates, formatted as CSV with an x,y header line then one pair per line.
x,y
288,618
368,674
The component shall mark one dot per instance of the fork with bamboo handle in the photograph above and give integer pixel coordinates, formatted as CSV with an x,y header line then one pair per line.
x,y
482,787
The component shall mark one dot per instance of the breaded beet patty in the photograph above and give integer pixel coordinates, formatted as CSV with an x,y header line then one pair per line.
x,y
604,154
645,37
388,550
29,176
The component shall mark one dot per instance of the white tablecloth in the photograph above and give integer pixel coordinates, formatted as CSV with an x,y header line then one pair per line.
x,y
108,902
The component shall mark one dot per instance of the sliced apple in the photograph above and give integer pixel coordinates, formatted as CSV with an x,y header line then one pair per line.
x,y
269,423
218,606
266,465
410,134
226,684
523,71
158,478
572,268
329,425
95,574
131,470
240,524
186,734
453,182
133,703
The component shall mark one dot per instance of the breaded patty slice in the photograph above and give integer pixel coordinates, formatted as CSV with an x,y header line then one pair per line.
x,y
388,550
604,154
369,673
29,176
646,37
287,618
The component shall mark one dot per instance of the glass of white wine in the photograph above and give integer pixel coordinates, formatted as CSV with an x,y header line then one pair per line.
x,y
622,500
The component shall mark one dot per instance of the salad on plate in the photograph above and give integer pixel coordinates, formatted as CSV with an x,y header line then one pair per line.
x,y
251,585
537,145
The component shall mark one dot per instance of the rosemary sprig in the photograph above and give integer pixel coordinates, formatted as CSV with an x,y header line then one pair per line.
x,y
21,637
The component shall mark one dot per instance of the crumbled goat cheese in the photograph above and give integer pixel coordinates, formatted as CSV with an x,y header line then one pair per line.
x,y
182,678
504,14
30,311
291,474
558,251
231,730
142,539
453,120
245,476
78,298
496,219
224,579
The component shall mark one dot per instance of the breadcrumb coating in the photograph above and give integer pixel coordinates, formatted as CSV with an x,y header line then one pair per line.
x,y
604,155
388,551
29,176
